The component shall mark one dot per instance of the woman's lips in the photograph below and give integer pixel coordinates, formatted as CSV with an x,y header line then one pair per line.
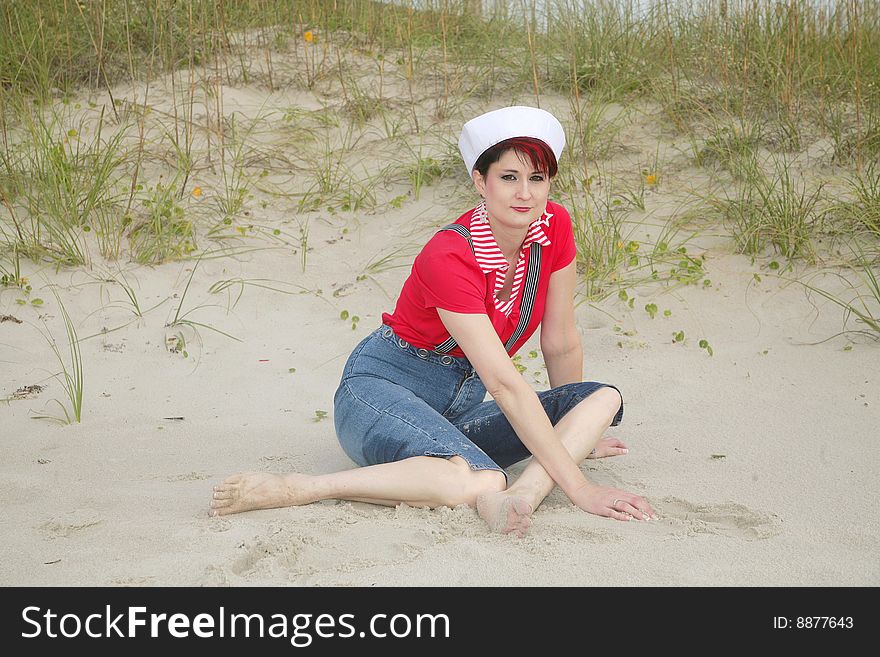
x,y
521,209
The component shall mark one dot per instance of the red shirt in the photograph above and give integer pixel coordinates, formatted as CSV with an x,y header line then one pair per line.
x,y
448,274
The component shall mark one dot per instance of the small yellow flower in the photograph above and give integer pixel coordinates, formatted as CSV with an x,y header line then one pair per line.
x,y
308,36
619,244
197,191
651,179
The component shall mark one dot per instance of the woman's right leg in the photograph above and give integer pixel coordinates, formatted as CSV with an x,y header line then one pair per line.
x,y
409,453
423,481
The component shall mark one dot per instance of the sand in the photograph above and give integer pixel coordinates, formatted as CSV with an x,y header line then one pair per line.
x,y
761,460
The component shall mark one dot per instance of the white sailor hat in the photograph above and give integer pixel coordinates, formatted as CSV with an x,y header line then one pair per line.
x,y
486,130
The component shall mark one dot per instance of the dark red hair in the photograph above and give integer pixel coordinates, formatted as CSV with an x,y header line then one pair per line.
x,y
534,150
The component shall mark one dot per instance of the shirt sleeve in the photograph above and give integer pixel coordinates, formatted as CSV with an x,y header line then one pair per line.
x,y
562,239
449,276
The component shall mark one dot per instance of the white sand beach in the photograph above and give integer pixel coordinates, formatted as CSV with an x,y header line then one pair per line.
x,y
761,459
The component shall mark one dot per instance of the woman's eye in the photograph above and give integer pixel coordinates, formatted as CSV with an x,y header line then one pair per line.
x,y
537,178
508,176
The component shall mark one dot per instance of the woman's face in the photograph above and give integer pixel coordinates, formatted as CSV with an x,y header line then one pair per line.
x,y
516,194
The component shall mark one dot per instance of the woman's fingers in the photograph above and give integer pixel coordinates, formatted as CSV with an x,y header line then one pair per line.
x,y
631,507
609,446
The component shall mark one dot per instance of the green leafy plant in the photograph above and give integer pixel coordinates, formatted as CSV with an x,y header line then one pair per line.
x,y
344,316
164,232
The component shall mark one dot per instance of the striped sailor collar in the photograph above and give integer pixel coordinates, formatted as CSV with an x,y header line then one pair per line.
x,y
486,249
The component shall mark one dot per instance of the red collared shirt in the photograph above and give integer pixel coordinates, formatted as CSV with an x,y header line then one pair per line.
x,y
448,274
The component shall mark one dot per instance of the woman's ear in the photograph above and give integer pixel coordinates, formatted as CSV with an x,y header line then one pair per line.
x,y
479,182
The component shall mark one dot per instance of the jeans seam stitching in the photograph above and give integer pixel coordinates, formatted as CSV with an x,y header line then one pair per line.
x,y
458,392
397,417
428,435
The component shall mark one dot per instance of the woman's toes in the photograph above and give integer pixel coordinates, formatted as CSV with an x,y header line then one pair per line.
x,y
522,528
522,507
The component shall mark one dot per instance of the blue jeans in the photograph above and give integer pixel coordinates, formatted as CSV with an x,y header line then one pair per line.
x,y
396,401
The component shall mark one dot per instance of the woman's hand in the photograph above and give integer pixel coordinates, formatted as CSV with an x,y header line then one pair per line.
x,y
612,503
608,446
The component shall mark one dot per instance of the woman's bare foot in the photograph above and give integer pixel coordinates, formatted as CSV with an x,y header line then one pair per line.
x,y
259,490
608,446
505,513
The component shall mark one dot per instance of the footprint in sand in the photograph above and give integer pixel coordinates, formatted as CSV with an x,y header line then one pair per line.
x,y
188,476
725,519
72,522
329,546
269,555
359,546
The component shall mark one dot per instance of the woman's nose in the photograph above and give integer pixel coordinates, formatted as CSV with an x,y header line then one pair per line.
x,y
523,190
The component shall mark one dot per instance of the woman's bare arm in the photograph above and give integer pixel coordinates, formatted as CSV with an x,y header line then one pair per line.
x,y
560,341
517,400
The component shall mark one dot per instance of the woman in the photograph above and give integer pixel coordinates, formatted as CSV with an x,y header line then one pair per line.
x,y
410,408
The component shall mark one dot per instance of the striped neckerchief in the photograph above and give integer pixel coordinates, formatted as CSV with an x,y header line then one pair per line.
x,y
489,255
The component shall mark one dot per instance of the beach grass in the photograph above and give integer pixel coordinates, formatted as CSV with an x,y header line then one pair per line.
x,y
64,180
863,210
71,377
861,301
776,209
183,318
119,139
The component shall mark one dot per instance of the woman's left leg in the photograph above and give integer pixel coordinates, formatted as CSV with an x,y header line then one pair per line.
x,y
579,430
